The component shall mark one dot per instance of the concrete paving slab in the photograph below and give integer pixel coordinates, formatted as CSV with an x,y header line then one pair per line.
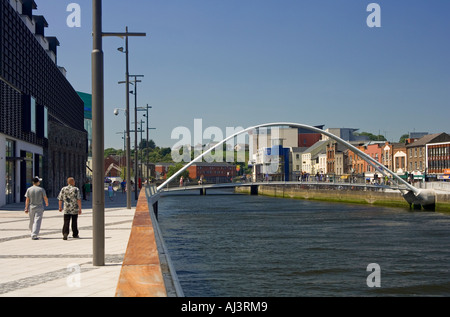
x,y
53,267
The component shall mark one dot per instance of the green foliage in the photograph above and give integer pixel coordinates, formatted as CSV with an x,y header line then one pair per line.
x,y
373,137
403,138
147,151
175,168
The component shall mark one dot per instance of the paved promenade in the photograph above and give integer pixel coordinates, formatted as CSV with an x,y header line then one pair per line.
x,y
52,267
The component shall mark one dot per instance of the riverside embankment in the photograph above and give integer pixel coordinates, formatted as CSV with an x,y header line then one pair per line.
x,y
345,194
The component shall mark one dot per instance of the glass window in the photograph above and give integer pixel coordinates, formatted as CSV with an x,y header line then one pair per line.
x,y
29,159
88,128
10,172
10,151
46,122
33,115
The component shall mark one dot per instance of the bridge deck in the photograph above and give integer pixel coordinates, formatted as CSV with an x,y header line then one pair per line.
x,y
249,184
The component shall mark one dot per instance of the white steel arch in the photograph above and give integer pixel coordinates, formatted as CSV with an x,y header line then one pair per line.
x,y
364,156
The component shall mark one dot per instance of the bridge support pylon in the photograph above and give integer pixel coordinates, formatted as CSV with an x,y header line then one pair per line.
x,y
424,198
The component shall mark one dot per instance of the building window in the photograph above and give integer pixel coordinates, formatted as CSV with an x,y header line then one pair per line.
x,y
46,122
33,115
10,171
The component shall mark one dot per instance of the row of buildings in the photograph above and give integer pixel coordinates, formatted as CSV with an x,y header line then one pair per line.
x,y
290,154
42,122
294,153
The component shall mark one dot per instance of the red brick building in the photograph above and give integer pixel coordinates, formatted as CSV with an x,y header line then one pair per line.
x,y
117,162
210,172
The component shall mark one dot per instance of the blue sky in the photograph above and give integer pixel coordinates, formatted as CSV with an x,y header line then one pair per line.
x,y
244,62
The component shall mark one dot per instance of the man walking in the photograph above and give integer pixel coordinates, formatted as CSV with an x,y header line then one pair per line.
x,y
71,197
34,206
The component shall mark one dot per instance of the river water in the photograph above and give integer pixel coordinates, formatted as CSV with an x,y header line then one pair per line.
x,y
252,246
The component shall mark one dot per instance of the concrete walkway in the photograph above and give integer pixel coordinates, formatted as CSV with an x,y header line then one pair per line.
x,y
52,267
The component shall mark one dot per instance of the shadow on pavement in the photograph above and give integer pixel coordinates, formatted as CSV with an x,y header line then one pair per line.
x,y
119,200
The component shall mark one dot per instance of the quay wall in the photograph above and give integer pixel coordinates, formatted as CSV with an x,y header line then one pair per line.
x,y
147,269
343,194
142,273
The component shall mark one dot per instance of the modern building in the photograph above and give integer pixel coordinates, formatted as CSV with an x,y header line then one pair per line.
x,y
438,160
291,137
41,116
87,100
273,163
346,134
307,138
416,153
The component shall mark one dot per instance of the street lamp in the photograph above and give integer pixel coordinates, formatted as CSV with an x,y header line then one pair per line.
x,y
148,119
124,144
127,82
136,149
135,82
98,139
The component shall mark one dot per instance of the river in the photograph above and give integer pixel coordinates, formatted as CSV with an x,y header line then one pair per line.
x,y
253,246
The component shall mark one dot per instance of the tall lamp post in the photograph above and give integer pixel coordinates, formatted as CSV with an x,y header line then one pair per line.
x,y
127,111
148,119
136,166
135,81
98,139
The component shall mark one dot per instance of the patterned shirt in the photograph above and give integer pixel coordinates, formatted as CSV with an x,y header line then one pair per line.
x,y
70,195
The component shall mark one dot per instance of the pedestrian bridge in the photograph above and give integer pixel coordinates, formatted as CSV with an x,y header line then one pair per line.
x,y
204,188
418,197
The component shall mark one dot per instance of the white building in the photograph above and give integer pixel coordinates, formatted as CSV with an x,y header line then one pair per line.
x,y
310,157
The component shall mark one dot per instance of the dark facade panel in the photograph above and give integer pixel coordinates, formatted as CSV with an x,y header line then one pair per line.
x,y
27,67
28,73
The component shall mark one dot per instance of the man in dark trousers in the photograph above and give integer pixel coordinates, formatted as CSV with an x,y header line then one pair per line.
x,y
71,197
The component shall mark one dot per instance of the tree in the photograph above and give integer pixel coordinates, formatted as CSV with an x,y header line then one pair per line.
x,y
144,144
403,138
372,137
111,151
175,168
